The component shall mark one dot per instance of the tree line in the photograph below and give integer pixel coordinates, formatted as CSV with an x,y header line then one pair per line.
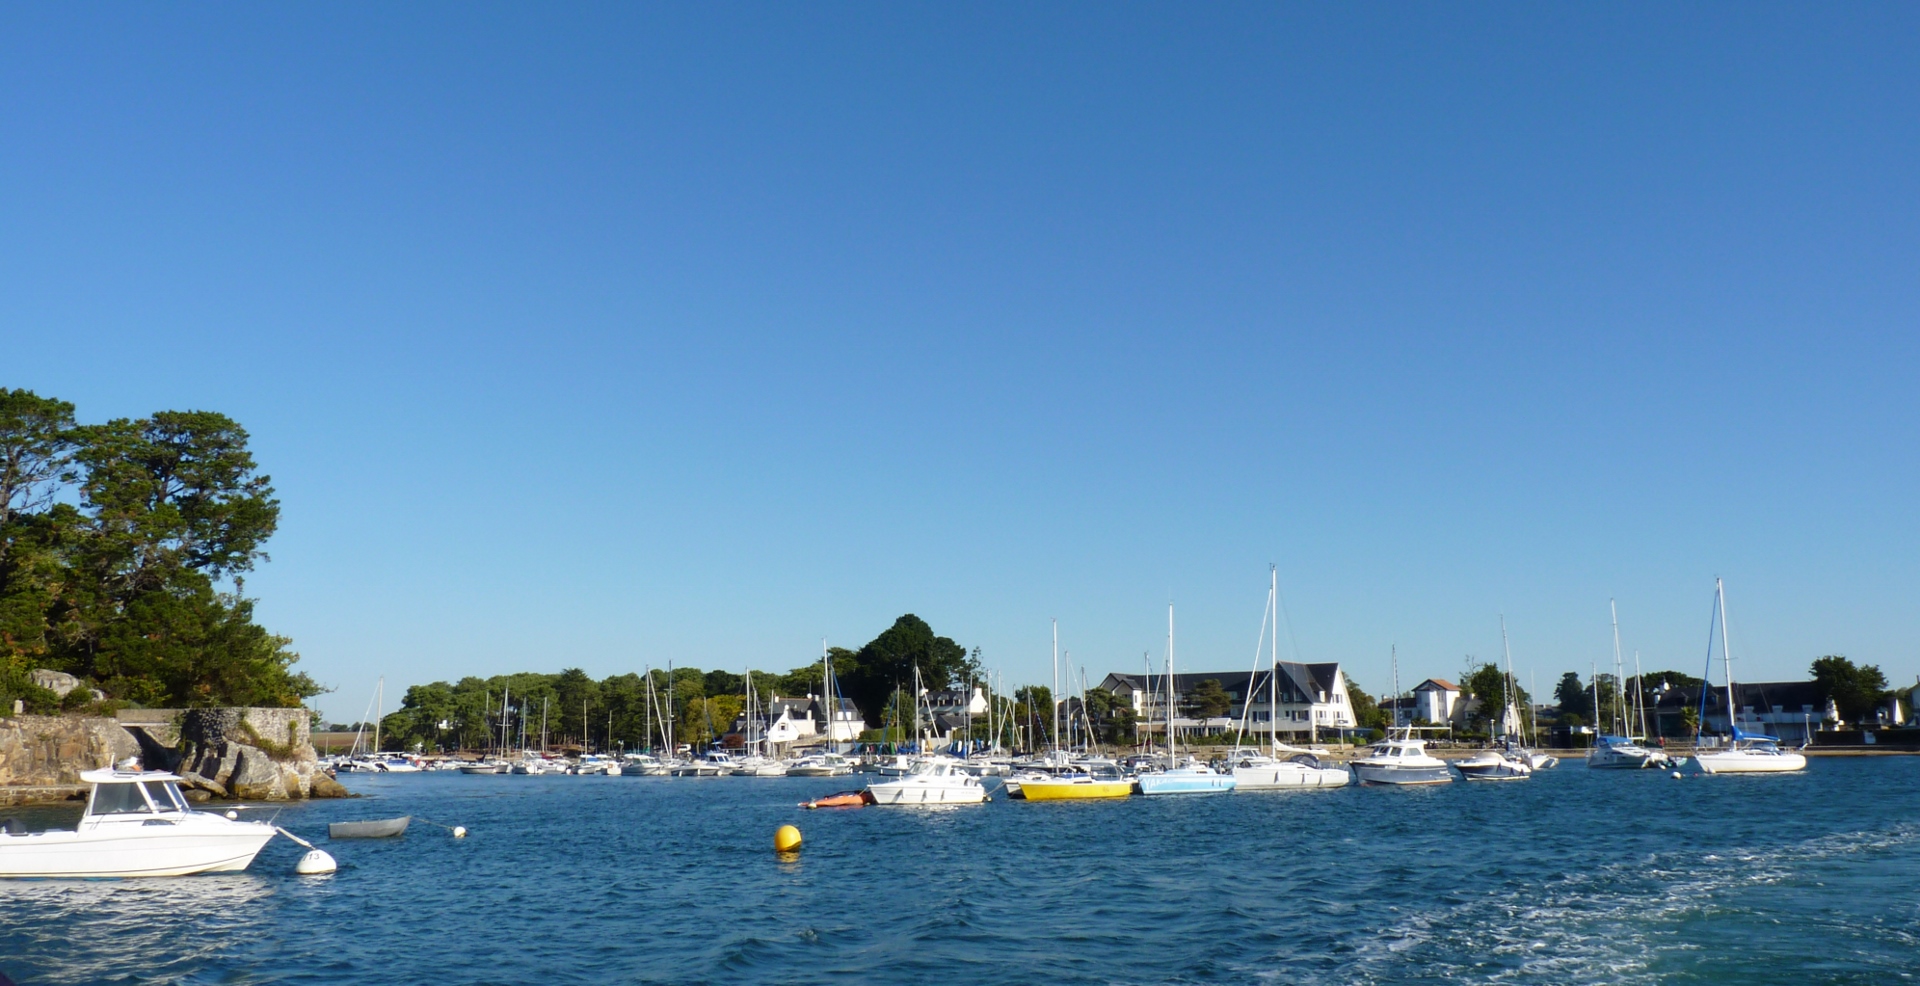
x,y
123,552
620,712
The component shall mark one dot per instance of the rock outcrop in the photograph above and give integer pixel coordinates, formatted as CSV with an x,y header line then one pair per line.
x,y
251,754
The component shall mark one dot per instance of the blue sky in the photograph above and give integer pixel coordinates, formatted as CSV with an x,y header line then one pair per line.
x,y
602,335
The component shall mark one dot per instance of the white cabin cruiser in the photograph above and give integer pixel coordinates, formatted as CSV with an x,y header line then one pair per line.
x,y
1402,761
136,824
930,782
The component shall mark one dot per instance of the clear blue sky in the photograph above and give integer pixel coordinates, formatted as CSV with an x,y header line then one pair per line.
x,y
608,334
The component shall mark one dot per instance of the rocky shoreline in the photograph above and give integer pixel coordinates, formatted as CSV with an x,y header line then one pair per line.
x,y
243,754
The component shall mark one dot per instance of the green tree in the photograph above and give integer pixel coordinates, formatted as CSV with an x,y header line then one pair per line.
x,y
891,659
1854,690
1208,700
1572,695
1033,709
1367,713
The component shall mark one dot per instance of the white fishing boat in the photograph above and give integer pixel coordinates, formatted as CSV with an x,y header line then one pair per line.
x,y
1745,753
1404,760
933,781
136,823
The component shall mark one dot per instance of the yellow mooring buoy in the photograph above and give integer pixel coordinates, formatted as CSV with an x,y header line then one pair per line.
x,y
786,838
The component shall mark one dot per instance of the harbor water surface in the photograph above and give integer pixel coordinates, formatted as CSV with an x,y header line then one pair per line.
x,y
1572,877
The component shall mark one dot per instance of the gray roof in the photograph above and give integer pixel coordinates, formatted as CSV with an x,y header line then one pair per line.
x,y
1297,682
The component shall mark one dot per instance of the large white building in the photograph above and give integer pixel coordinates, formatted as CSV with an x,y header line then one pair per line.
x,y
1308,698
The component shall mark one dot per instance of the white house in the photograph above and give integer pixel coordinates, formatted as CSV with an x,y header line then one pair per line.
x,y
1435,700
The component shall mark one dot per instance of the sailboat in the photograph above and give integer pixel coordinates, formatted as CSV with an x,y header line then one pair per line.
x,y
1617,751
1069,781
1404,760
1510,761
1746,753
1191,777
1268,771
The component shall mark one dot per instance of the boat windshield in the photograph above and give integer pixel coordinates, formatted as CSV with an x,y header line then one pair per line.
x,y
166,797
117,799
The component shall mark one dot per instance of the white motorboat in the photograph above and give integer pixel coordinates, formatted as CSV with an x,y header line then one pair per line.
x,y
820,765
930,782
1402,761
1496,765
483,767
1259,772
1622,753
136,824
1542,761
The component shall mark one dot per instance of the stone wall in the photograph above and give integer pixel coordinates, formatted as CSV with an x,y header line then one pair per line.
x,y
250,754
47,751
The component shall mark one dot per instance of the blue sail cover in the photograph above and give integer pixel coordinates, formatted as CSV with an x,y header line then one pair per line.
x,y
1741,734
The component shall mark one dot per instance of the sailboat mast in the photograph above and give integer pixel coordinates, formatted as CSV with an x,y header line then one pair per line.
x,y
1614,607
1054,697
1273,663
1171,748
1640,694
379,710
1507,649
1726,654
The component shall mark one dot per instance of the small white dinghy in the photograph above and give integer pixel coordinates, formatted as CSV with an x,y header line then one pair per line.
x,y
378,828
136,824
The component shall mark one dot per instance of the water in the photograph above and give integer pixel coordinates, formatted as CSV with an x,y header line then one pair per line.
x,y
1572,877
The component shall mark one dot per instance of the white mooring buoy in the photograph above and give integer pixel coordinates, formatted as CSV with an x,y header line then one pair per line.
x,y
459,831
315,863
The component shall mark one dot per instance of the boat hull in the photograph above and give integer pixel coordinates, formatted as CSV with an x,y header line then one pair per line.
x,y
908,793
1742,762
1163,784
1396,774
164,853
1281,777
1494,769
383,828
1074,790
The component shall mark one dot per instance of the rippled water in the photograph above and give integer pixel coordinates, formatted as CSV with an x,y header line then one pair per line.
x,y
1573,877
